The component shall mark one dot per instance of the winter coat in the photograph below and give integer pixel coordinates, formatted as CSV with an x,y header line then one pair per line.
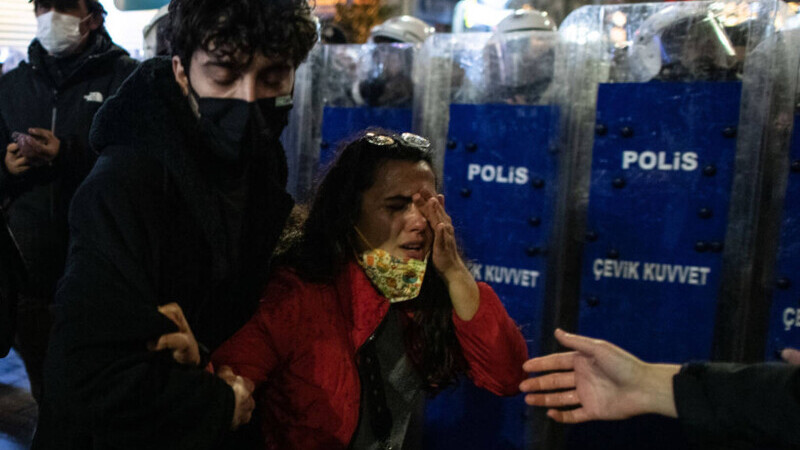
x,y
147,229
301,347
39,95
720,404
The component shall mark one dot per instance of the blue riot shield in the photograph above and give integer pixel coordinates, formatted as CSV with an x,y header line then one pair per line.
x,y
661,143
500,183
662,171
784,326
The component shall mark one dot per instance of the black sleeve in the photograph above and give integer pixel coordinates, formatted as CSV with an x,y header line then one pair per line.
x,y
757,404
7,181
100,376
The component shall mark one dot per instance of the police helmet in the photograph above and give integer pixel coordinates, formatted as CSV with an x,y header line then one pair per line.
x,y
526,20
155,42
403,29
520,58
687,42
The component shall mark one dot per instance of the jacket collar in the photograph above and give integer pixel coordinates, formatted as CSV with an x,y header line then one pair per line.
x,y
150,114
362,305
62,71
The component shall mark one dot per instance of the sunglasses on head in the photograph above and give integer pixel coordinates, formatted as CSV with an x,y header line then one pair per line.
x,y
407,139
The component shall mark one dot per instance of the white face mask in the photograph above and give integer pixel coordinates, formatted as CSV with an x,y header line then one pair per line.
x,y
59,34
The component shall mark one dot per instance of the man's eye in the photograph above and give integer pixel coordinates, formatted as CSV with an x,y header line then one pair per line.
x,y
227,81
396,206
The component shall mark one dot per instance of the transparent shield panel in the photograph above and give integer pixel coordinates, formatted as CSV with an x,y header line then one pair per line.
x,y
340,90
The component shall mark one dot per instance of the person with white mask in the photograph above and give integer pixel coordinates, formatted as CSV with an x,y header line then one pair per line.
x,y
46,109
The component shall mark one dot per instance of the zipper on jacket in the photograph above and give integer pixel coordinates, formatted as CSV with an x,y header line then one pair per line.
x,y
53,116
54,113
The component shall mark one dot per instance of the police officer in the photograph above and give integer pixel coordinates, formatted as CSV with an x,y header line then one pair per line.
x,y
387,81
520,59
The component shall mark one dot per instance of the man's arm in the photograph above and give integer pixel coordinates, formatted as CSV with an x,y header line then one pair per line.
x,y
101,373
605,381
715,402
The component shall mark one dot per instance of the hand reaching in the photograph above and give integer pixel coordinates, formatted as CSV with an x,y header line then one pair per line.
x,y
791,356
602,380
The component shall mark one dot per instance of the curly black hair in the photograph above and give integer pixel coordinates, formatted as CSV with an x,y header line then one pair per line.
x,y
277,28
323,246
94,6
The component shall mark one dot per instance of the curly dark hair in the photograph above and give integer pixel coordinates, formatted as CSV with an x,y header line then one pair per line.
x,y
277,28
94,6
324,246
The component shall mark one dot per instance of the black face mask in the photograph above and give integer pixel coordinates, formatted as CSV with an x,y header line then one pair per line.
x,y
238,130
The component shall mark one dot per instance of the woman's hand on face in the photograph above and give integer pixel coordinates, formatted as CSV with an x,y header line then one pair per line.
x,y
444,251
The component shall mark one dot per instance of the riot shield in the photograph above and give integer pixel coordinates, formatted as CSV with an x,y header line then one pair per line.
x,y
343,89
784,282
665,138
491,101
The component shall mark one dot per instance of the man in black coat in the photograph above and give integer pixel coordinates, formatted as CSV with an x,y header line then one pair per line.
x,y
46,110
173,231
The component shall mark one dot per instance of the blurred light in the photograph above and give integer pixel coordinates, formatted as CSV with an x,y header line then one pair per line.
x,y
581,34
618,35
619,18
126,27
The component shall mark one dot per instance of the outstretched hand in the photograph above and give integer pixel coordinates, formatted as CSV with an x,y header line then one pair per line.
x,y
791,356
600,380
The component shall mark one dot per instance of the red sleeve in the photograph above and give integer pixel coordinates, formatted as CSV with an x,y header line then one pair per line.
x,y
492,345
259,346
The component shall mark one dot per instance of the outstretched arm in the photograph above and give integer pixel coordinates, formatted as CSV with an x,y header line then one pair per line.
x,y
602,380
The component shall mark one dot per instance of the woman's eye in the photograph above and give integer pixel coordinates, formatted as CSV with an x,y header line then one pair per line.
x,y
396,206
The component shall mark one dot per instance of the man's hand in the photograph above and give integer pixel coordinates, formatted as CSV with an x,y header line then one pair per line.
x,y
182,343
46,144
791,356
16,164
603,380
243,392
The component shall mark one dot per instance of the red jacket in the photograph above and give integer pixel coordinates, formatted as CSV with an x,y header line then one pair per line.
x,y
300,347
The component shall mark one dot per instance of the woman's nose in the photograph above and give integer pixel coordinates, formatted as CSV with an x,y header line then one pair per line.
x,y
416,221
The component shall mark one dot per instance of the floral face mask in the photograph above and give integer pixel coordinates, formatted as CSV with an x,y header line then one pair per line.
x,y
397,279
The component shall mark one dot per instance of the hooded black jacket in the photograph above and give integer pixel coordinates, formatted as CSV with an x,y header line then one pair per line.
x,y
147,228
66,93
